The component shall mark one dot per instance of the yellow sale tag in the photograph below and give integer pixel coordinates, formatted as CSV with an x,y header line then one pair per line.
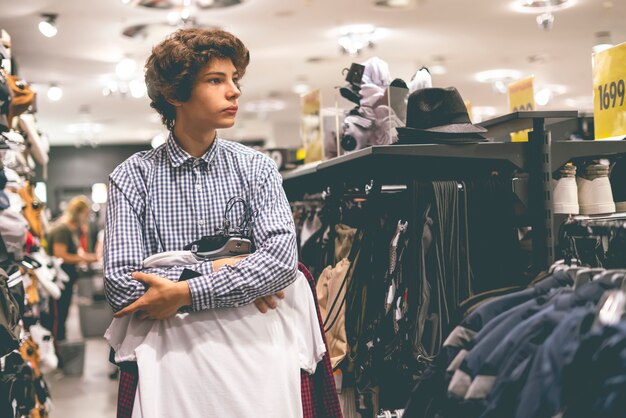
x,y
521,96
609,103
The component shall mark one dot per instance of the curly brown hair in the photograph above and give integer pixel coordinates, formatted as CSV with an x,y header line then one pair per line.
x,y
173,66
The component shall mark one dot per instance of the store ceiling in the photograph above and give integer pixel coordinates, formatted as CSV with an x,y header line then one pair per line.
x,y
284,37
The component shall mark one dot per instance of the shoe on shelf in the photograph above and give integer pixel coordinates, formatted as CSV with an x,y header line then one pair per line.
x,y
618,185
595,195
565,191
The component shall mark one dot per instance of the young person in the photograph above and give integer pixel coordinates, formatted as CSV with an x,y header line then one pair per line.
x,y
199,363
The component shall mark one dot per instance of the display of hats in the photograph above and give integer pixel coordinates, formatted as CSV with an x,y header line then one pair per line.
x,y
438,115
38,150
23,97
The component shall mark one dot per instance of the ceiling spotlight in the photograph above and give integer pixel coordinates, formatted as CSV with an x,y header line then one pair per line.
x,y
125,1
158,140
541,6
55,93
353,39
498,78
301,88
137,88
543,97
602,41
545,21
48,25
125,69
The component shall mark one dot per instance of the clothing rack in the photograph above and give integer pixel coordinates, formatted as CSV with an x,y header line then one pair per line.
x,y
539,157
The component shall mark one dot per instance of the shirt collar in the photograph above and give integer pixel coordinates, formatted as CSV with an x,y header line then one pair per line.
x,y
178,156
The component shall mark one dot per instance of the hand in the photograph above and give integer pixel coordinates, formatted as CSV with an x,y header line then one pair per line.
x,y
162,299
230,261
263,304
266,303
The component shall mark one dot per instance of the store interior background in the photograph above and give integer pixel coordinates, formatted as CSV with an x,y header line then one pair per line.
x,y
294,47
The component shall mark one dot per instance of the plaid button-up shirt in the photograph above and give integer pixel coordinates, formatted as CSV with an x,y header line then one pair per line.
x,y
163,199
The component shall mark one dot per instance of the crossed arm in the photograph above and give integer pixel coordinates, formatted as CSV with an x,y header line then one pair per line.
x,y
157,293
164,298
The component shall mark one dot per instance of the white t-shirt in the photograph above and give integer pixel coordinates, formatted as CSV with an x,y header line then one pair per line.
x,y
225,362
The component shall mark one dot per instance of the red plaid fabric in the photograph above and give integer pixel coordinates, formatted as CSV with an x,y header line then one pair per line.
x,y
126,394
319,395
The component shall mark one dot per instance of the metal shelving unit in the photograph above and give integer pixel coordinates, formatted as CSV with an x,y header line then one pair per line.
x,y
540,157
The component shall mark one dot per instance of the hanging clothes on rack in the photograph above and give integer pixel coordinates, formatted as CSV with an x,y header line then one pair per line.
x,y
512,355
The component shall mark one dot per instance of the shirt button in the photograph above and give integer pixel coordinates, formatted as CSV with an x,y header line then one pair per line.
x,y
198,186
200,222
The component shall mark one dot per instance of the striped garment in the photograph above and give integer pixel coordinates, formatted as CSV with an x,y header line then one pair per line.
x,y
163,199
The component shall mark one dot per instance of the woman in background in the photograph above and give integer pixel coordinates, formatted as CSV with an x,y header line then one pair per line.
x,y
64,242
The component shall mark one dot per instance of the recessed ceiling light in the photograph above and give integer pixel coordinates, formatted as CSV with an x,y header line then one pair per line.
x,y
158,140
137,88
355,38
173,4
55,93
545,94
301,88
541,6
500,74
394,4
125,69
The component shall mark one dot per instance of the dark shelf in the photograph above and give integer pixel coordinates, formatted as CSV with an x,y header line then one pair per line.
x,y
564,151
503,151
300,171
500,128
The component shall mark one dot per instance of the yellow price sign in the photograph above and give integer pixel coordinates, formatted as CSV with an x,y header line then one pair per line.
x,y
521,96
609,92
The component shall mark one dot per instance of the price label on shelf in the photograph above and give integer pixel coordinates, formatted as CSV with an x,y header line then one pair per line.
x,y
609,92
521,95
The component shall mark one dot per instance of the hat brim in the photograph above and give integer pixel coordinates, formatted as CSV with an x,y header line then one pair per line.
x,y
455,128
424,136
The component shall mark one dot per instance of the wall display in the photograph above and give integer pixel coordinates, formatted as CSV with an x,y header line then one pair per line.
x,y
311,126
609,91
521,97
332,120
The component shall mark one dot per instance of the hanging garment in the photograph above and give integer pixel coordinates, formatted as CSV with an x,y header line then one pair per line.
x,y
319,393
246,351
344,238
331,292
319,396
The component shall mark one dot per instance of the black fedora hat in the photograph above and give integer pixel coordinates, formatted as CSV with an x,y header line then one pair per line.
x,y
439,113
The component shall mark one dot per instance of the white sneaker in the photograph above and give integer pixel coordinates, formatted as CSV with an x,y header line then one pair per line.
x,y
47,356
595,196
565,196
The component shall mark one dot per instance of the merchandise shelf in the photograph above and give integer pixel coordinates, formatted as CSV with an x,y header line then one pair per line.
x,y
540,157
